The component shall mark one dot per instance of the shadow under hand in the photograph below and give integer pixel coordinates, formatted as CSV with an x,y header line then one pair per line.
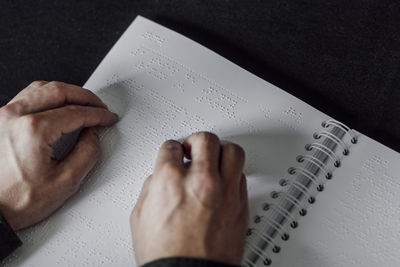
x,y
268,157
269,153
117,97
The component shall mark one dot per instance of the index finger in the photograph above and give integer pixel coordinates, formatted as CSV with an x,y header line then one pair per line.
x,y
40,96
170,152
67,119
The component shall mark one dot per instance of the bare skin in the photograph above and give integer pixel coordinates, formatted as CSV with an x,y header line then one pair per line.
x,y
33,183
197,210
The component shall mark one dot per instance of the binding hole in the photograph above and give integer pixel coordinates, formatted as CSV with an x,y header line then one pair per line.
x,y
346,152
311,200
354,140
337,164
274,194
300,159
328,176
323,124
316,136
266,206
257,219
294,224
267,262
283,182
303,212
276,249
320,187
249,232
308,147
285,237
291,170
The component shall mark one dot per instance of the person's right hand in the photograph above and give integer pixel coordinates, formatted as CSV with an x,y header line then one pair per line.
x,y
33,183
197,210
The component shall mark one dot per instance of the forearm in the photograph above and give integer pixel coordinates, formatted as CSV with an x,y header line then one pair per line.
x,y
9,240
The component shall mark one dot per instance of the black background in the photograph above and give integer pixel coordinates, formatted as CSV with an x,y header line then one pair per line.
x,y
342,57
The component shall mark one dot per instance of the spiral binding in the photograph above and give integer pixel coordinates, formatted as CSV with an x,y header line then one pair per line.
x,y
299,191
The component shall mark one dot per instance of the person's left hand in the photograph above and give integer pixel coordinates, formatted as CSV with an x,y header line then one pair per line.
x,y
33,183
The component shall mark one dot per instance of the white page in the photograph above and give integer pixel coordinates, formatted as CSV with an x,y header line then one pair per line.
x,y
165,86
356,219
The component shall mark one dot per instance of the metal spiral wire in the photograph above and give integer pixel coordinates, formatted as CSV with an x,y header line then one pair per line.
x,y
299,190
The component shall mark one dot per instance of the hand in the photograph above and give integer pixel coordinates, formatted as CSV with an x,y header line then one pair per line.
x,y
193,210
33,182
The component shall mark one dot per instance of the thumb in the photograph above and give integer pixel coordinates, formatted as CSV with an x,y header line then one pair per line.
x,y
80,161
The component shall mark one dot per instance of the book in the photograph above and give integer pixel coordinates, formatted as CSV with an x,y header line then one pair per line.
x,y
320,193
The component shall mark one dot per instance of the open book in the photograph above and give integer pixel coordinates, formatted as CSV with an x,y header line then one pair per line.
x,y
338,188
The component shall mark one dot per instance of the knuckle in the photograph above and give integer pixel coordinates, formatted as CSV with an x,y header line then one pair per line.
x,y
207,137
234,149
57,89
57,92
171,145
37,83
55,84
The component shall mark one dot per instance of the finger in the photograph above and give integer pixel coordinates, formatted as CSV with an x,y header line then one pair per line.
x,y
170,152
232,162
27,89
243,214
35,84
42,96
79,162
203,149
67,119
243,190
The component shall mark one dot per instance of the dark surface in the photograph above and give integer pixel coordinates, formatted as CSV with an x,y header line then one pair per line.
x,y
9,240
342,57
